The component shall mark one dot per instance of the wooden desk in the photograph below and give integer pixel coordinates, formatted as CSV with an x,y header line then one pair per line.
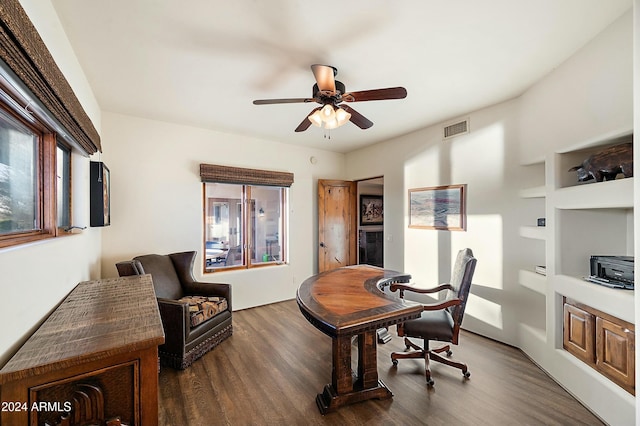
x,y
348,302
96,356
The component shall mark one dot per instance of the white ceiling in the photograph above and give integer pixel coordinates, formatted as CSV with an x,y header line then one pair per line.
x,y
202,62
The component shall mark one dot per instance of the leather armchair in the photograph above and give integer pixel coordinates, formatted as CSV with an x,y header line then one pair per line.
x,y
173,280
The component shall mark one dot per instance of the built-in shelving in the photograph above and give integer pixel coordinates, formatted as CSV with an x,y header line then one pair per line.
x,y
535,192
591,218
617,302
582,219
533,232
596,195
532,328
533,281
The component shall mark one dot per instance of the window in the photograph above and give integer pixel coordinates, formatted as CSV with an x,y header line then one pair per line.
x,y
18,177
38,111
244,225
63,185
27,164
244,217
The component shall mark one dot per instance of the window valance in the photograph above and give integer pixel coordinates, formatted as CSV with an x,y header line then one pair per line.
x,y
24,52
238,175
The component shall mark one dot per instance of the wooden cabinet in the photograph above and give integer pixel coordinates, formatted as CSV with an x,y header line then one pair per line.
x,y
579,333
615,351
601,340
93,361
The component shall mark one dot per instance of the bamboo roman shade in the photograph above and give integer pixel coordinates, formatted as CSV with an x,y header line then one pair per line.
x,y
237,175
24,52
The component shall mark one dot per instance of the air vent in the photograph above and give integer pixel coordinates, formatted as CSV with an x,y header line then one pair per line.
x,y
456,129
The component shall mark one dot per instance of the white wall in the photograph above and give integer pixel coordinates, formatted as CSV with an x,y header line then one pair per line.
x,y
484,160
156,204
35,277
588,97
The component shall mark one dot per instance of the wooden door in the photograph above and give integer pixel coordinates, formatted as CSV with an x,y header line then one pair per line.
x,y
337,224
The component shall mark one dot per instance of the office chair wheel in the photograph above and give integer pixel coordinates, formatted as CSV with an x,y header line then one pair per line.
x,y
449,353
466,374
430,382
394,362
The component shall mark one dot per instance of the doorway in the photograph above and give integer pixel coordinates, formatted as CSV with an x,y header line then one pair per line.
x,y
345,236
370,221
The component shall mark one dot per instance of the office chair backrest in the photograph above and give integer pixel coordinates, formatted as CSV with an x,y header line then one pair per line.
x,y
461,281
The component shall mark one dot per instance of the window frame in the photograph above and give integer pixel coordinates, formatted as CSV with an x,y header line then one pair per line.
x,y
69,188
46,182
247,229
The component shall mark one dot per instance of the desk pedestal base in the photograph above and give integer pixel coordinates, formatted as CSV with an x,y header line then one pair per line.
x,y
329,400
344,389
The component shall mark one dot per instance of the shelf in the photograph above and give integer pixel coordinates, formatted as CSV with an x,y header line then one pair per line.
x,y
579,153
533,232
616,302
535,192
533,281
611,194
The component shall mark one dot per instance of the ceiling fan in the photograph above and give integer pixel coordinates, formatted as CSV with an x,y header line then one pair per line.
x,y
330,93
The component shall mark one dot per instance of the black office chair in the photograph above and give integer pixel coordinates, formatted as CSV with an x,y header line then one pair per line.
x,y
439,321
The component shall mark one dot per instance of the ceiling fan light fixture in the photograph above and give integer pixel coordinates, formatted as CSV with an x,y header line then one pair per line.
x,y
316,118
328,113
331,124
328,93
342,116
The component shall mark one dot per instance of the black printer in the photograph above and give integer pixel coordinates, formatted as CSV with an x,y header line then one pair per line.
x,y
612,271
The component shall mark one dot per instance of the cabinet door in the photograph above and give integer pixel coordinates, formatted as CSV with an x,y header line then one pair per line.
x,y
579,333
615,352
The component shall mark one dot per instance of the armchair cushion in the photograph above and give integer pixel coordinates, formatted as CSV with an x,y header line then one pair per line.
x,y
203,308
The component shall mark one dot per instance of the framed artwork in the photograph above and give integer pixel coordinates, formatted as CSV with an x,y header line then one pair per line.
x,y
100,196
371,210
438,207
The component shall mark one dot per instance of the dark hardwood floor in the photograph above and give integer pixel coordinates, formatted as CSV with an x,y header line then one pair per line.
x,y
270,370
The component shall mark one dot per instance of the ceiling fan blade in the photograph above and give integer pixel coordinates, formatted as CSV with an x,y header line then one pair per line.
x,y
283,101
357,118
325,77
306,122
376,94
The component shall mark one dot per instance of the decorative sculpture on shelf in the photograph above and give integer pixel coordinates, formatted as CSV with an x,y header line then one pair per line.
x,y
607,164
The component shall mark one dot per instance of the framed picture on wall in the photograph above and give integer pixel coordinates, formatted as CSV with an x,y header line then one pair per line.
x,y
438,207
100,197
371,210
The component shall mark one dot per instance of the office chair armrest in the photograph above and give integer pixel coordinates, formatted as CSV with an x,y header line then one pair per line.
x,y
412,288
441,305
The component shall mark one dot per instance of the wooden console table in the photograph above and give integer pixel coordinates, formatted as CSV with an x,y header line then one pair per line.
x,y
95,359
348,302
